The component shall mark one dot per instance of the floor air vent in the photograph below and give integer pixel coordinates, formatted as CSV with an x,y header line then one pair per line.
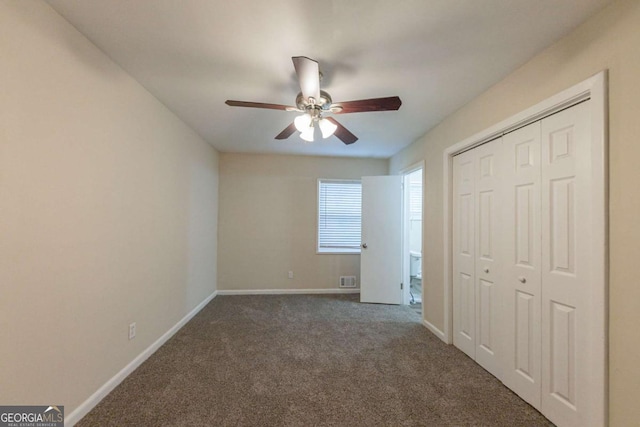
x,y
347,281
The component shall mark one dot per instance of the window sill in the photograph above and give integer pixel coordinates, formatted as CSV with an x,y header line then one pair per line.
x,y
338,251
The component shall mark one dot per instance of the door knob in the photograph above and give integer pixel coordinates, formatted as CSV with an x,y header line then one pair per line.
x,y
364,246
486,269
522,279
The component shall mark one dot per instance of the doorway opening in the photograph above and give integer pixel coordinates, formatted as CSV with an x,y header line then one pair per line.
x,y
412,247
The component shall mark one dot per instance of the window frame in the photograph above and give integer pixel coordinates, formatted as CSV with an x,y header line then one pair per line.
x,y
336,251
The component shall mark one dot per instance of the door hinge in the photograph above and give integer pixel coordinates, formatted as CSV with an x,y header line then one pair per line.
x,y
401,286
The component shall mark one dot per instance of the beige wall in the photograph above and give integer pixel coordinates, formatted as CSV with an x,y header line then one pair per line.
x,y
609,40
108,209
267,222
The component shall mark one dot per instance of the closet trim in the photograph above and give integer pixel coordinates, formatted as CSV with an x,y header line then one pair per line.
x,y
594,88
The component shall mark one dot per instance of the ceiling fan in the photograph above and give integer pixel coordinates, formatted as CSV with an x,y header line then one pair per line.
x,y
315,104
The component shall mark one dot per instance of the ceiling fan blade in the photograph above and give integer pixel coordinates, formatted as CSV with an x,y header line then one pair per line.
x,y
257,105
342,132
287,132
308,73
364,105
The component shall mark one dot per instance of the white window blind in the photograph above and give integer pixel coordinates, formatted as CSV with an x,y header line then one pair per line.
x,y
415,199
339,215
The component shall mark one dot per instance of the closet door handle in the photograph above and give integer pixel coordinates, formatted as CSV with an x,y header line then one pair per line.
x,y
486,269
522,279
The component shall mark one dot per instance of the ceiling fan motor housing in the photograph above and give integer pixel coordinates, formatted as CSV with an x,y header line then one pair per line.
x,y
323,103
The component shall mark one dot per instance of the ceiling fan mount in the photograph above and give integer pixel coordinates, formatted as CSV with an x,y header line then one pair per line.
x,y
313,103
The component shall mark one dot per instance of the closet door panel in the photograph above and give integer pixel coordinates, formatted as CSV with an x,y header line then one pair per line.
x,y
488,160
522,263
567,385
464,295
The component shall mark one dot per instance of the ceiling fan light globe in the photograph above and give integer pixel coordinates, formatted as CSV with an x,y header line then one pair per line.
x,y
307,134
327,128
303,122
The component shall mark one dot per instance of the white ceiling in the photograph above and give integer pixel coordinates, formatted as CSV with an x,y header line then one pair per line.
x,y
435,54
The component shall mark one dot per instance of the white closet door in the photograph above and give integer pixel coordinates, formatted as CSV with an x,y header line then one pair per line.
x,y
464,315
539,323
488,166
522,263
572,392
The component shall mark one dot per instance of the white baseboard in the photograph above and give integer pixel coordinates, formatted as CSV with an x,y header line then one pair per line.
x,y
86,406
437,332
287,291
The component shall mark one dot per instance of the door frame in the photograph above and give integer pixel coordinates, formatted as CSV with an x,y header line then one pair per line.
x,y
406,279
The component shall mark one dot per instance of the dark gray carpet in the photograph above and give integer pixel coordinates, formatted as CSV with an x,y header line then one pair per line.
x,y
321,360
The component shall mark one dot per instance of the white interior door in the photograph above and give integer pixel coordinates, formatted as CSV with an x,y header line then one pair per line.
x,y
573,374
522,266
464,296
477,308
488,284
381,254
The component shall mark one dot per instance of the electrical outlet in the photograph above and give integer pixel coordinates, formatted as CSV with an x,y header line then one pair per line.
x,y
132,330
291,275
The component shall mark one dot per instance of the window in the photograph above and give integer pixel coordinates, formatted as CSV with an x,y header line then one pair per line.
x,y
415,195
339,215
